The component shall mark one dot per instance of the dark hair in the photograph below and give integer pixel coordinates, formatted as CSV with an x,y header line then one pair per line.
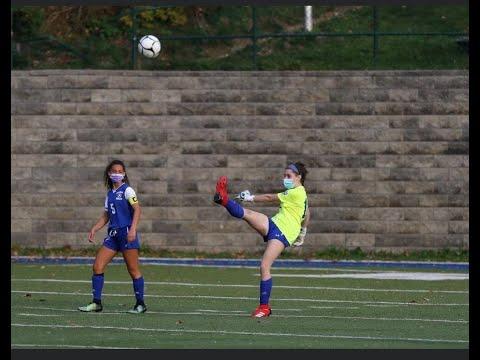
x,y
302,170
106,178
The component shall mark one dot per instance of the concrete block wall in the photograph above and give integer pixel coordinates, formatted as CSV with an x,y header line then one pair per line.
x,y
387,153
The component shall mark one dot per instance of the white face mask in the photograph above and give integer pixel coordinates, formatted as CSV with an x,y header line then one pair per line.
x,y
116,178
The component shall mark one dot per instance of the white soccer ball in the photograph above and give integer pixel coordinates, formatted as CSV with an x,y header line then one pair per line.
x,y
149,46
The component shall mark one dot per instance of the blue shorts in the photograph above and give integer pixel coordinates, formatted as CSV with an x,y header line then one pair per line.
x,y
275,233
117,240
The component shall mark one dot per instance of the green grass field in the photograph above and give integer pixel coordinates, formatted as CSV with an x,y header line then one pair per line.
x,y
209,307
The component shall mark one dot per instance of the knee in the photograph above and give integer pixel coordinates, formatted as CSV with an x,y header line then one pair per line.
x,y
134,273
264,268
98,269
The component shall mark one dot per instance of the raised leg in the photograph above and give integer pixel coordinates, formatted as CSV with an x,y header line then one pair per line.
x,y
257,221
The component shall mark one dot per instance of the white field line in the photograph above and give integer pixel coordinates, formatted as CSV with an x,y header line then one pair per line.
x,y
208,266
213,266
225,311
102,313
241,298
262,334
196,311
71,346
65,310
323,269
39,315
168,283
222,313
335,307
146,263
418,276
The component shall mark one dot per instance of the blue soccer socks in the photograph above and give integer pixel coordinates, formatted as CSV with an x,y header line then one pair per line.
x,y
138,286
265,290
97,286
235,209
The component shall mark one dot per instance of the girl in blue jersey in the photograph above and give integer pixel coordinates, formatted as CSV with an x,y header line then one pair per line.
x,y
122,213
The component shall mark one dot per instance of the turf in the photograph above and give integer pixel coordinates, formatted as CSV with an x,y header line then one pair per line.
x,y
204,307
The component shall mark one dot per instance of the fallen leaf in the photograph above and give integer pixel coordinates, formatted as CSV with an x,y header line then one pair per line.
x,y
28,295
179,322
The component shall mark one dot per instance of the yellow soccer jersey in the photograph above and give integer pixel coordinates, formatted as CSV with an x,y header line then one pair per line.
x,y
293,207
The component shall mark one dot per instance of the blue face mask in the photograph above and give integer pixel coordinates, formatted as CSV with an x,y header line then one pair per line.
x,y
288,183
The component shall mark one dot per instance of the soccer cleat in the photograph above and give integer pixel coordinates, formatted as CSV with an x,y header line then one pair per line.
x,y
221,195
138,309
262,311
91,307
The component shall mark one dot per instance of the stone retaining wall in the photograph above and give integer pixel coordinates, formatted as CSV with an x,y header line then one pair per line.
x,y
387,153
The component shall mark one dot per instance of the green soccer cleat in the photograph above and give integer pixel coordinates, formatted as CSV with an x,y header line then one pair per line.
x,y
138,309
91,307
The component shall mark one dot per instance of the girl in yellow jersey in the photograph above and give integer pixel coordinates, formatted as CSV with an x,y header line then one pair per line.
x,y
288,227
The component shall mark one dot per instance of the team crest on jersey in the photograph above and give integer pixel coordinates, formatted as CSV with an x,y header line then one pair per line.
x,y
119,195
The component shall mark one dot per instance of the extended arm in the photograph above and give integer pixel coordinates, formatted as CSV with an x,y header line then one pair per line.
x,y
267,198
246,196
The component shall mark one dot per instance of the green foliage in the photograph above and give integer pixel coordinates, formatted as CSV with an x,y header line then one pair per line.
x,y
103,27
171,16
21,62
445,18
149,19
103,34
27,20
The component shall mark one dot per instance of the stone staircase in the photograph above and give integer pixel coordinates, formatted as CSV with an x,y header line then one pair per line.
x,y
387,154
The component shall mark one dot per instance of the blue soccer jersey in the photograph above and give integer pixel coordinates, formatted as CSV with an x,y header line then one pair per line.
x,y
118,204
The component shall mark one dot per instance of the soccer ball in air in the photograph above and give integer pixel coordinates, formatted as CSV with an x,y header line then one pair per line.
x,y
149,46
